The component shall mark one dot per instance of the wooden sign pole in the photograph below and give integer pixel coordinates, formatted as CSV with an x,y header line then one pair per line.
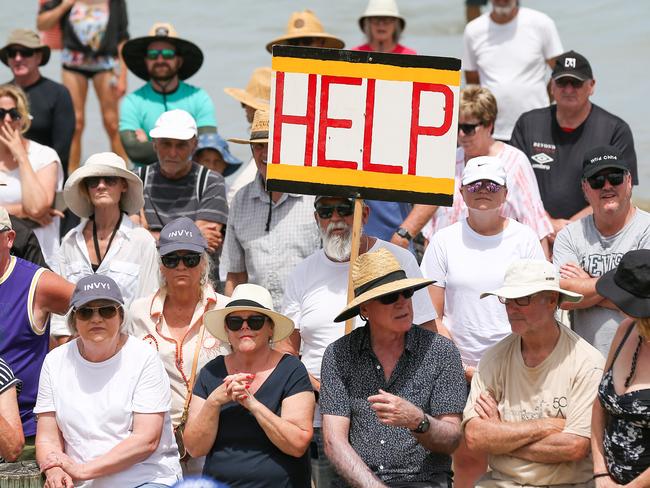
x,y
354,253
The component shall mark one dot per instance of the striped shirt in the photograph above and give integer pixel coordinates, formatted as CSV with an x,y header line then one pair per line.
x,y
192,196
7,378
523,202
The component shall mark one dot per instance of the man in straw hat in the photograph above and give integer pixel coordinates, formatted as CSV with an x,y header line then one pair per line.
x,y
530,402
304,29
392,394
268,232
164,60
50,104
592,246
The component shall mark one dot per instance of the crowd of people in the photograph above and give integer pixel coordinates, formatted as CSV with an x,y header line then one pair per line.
x,y
160,323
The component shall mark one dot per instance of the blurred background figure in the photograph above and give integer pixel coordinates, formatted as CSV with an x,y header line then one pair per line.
x,y
305,29
212,151
383,26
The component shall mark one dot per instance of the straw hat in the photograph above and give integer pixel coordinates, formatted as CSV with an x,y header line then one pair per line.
x,y
135,51
102,164
26,38
259,129
382,8
628,285
306,24
248,298
375,274
258,91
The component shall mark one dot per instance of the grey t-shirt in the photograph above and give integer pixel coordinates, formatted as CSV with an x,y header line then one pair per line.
x,y
581,243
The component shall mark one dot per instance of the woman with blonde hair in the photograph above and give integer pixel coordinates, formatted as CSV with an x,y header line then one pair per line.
x,y
32,171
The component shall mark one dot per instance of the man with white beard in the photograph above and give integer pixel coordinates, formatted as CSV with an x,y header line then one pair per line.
x,y
316,291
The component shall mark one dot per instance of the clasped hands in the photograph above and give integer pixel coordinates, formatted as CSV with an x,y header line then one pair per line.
x,y
60,470
235,388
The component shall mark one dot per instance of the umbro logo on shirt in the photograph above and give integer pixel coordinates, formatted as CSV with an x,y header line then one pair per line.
x,y
542,161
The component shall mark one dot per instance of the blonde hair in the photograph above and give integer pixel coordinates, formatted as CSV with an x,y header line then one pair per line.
x,y
22,105
479,103
643,326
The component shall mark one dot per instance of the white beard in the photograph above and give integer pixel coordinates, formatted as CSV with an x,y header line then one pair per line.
x,y
504,11
337,246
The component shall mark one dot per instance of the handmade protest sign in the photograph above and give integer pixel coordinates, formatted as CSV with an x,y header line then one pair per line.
x,y
371,125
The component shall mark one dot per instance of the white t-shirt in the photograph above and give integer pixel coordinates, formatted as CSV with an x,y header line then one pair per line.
x,y
94,405
39,157
467,264
511,61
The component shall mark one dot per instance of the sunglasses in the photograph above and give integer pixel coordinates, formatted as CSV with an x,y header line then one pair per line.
x,y
521,301
93,181
255,322
13,113
567,80
106,312
326,211
468,129
153,54
490,186
189,260
24,52
393,297
615,178
301,41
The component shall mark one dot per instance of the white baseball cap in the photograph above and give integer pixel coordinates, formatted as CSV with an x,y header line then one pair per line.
x,y
174,124
5,221
484,168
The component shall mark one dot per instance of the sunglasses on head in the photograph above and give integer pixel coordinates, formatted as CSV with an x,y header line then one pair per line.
x,y
153,54
93,181
490,186
191,260
25,52
343,209
393,297
105,311
567,80
255,322
13,113
468,129
521,301
615,178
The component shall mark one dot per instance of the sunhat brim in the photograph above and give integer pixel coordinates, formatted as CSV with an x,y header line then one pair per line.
x,y
45,53
134,52
380,14
247,141
78,202
214,321
331,41
246,98
352,308
632,305
524,291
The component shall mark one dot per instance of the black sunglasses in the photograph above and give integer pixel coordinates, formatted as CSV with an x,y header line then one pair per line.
x,y
615,178
153,54
255,322
13,113
468,129
189,260
521,301
343,209
393,297
105,311
24,52
93,181
567,80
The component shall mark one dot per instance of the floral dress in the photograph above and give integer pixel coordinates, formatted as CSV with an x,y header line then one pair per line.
x,y
627,434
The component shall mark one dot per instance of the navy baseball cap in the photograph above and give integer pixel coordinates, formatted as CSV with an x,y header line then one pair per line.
x,y
181,234
95,287
600,158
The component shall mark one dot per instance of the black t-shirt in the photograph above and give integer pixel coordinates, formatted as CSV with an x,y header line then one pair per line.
x,y
242,455
556,155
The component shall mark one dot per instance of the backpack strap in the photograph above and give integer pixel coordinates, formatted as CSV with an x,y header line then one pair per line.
x,y
201,181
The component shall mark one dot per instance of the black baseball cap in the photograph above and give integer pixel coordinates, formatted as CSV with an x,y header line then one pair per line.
x,y
628,285
574,65
600,158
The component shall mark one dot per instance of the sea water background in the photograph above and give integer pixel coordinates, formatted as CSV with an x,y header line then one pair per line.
x,y
613,34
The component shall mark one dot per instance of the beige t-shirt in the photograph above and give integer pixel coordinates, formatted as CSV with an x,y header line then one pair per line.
x,y
564,385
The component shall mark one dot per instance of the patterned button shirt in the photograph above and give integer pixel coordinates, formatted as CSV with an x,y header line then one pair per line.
x,y
428,374
266,240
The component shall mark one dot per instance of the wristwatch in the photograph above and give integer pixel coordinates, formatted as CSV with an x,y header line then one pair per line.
x,y
423,426
403,233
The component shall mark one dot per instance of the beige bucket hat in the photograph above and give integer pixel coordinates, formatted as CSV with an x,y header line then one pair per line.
x,y
26,38
248,298
382,8
259,129
257,93
102,164
375,274
306,24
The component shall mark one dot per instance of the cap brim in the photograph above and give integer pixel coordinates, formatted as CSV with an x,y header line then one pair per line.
x,y
524,291
165,133
246,98
570,74
180,246
214,322
495,179
595,168
630,304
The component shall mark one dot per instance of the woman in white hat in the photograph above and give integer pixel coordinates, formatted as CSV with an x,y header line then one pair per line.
x,y
252,410
383,26
103,193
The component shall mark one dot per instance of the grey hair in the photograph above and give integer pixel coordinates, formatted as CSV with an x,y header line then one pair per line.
x,y
124,326
396,35
205,274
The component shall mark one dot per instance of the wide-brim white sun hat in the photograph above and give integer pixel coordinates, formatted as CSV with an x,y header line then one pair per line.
x,y
102,164
526,277
382,8
248,298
